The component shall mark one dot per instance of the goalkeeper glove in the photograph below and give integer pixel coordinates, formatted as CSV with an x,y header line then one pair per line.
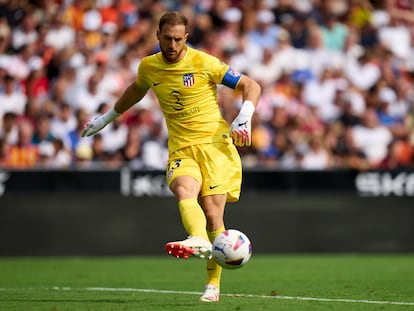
x,y
241,126
98,123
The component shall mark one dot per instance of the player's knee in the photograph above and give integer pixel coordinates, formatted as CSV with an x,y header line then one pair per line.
x,y
182,192
185,188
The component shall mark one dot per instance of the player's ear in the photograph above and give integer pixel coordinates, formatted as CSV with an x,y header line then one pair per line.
x,y
158,34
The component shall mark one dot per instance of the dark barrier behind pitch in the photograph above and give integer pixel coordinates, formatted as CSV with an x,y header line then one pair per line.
x,y
62,215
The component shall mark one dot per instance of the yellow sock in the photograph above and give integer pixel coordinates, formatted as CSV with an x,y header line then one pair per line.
x,y
213,269
193,218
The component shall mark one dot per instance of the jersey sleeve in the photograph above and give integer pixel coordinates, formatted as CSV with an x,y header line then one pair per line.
x,y
223,73
142,77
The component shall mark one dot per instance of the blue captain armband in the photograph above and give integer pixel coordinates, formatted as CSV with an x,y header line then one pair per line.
x,y
231,78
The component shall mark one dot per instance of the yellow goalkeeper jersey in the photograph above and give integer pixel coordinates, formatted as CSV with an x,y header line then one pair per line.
x,y
187,92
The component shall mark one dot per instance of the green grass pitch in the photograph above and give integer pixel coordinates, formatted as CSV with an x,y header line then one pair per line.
x,y
267,282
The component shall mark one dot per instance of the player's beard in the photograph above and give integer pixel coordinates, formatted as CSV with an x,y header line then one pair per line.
x,y
173,56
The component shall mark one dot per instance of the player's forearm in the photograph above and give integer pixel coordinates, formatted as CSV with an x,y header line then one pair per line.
x,y
250,90
129,98
241,126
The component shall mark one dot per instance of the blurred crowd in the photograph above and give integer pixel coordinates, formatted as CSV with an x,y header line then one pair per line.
x,y
337,80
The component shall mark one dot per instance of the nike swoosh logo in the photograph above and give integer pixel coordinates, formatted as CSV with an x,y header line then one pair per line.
x,y
213,187
156,83
244,123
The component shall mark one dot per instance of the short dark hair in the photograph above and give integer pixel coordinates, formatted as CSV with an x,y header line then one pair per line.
x,y
173,18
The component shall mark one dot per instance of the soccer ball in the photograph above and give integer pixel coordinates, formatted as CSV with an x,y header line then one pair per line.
x,y
232,249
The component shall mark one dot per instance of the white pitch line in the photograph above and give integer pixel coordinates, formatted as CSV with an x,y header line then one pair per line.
x,y
162,291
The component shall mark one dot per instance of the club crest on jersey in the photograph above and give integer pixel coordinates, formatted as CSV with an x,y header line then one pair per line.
x,y
188,79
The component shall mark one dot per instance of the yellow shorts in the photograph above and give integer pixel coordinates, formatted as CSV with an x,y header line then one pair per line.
x,y
216,166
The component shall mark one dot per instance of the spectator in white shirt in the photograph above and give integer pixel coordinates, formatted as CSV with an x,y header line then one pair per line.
x,y
317,157
277,62
363,72
62,157
318,56
321,93
397,38
90,97
372,138
12,99
63,122
26,33
154,149
59,35
114,136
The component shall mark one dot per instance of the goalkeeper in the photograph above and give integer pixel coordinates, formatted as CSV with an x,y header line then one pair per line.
x,y
204,168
